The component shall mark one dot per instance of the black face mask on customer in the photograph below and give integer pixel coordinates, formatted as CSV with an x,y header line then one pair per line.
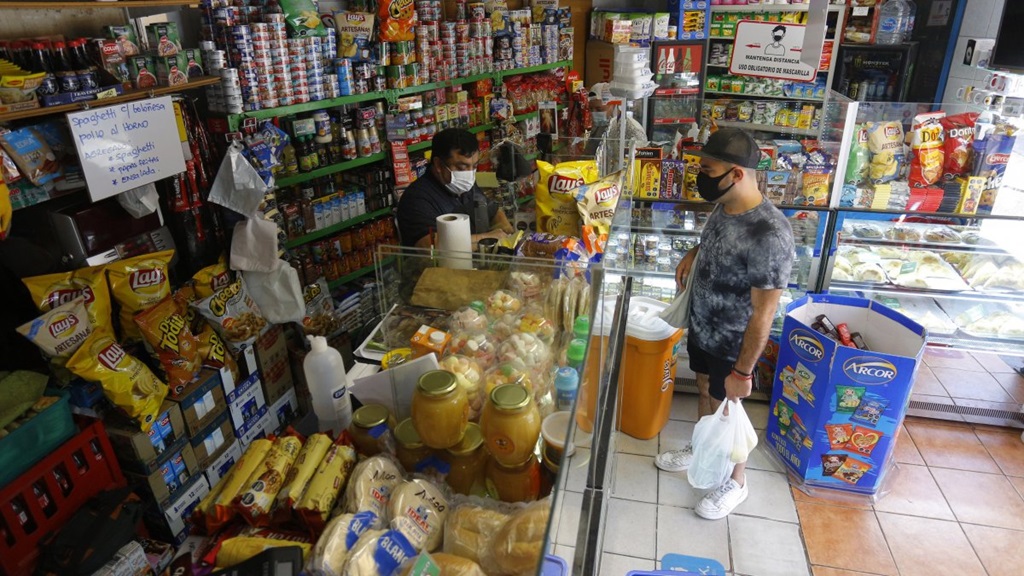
x,y
707,186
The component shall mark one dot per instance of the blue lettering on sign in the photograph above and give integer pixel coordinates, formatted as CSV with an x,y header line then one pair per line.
x,y
806,345
869,370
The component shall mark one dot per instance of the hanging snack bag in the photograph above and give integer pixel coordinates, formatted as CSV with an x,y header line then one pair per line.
x,y
126,381
34,158
138,283
211,279
556,202
927,154
302,18
59,333
319,319
596,202
397,18
53,290
957,138
355,35
167,332
885,141
234,315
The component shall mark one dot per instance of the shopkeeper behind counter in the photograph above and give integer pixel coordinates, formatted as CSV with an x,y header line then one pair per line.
x,y
449,187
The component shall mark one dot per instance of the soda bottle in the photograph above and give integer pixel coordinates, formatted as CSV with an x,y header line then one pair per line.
x,y
28,524
910,19
40,62
64,68
43,498
84,68
60,474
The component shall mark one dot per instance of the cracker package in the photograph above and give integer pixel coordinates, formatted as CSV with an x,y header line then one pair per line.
x,y
958,134
927,153
848,398
168,334
303,19
53,290
992,154
35,160
316,503
59,333
852,470
126,381
397,19
596,202
234,315
355,34
646,180
556,203
870,409
257,497
306,463
136,284
885,141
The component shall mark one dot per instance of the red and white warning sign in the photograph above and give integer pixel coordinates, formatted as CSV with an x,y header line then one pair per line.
x,y
770,50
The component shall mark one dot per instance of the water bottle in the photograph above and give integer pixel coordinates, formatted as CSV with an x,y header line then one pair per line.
x,y
910,18
576,353
890,22
328,386
567,382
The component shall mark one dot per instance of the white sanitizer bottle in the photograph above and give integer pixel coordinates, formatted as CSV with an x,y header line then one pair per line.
x,y
328,386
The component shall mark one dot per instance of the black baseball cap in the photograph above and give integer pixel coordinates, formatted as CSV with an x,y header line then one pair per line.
x,y
732,146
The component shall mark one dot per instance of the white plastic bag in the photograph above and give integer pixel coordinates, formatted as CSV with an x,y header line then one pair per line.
x,y
278,293
719,442
238,186
141,201
254,246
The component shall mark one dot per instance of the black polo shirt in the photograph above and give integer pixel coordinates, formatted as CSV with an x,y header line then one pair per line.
x,y
426,199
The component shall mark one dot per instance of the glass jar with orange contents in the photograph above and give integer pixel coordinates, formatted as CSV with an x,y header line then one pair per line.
x,y
514,483
440,409
510,423
369,424
409,448
346,241
467,461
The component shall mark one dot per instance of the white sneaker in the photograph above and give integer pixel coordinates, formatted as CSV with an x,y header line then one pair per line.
x,y
723,500
675,460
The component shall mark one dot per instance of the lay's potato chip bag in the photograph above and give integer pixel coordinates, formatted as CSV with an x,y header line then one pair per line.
x,y
59,333
138,283
556,202
596,202
211,279
53,290
168,334
126,382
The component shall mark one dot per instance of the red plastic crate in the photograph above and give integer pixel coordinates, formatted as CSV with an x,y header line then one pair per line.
x,y
19,549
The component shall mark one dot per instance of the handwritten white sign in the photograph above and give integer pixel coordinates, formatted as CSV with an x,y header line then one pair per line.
x,y
770,50
127,145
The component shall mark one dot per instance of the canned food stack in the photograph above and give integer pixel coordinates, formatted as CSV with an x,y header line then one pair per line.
x,y
299,78
313,47
550,48
216,60
280,63
263,51
449,63
346,82
242,57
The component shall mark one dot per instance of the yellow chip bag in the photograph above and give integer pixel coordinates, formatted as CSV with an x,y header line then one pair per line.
x,y
596,202
53,290
58,333
556,201
126,382
211,279
138,283
169,336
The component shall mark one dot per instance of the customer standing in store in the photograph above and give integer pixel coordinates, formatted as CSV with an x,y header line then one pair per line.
x,y
448,187
745,256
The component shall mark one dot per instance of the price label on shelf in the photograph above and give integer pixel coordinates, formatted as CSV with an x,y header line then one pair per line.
x,y
127,145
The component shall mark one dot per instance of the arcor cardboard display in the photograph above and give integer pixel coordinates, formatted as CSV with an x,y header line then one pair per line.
x,y
836,410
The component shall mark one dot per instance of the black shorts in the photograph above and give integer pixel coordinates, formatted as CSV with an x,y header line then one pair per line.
x,y
716,368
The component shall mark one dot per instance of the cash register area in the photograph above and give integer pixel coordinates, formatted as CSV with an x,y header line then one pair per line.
x,y
955,506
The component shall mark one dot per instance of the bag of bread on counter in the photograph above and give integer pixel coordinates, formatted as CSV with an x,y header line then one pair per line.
x,y
556,198
373,482
378,553
234,314
52,290
471,524
518,546
339,537
418,510
316,503
216,510
299,475
173,344
59,333
138,283
259,492
448,564
126,381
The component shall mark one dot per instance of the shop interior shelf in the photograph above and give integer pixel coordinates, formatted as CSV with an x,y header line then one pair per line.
x,y
852,240
771,8
99,4
760,96
328,170
426,143
534,114
767,128
358,274
128,96
337,228
948,294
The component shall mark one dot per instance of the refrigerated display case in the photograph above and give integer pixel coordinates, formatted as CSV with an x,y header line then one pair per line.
x,y
678,68
875,73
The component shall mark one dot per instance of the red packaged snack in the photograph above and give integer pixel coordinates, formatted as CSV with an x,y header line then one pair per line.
x,y
839,435
863,440
852,470
959,133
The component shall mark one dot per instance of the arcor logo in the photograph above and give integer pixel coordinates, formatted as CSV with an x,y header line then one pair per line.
x,y
869,370
806,345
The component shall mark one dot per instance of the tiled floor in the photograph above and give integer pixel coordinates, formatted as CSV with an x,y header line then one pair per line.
x,y
956,504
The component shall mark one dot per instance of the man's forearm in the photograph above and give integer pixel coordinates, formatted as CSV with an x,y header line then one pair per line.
x,y
501,222
755,337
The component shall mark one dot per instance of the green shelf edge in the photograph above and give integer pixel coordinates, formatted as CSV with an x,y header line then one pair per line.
x,y
358,274
328,170
302,240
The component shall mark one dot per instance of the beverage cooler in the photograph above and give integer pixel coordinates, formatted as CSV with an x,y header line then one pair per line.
x,y
678,68
872,73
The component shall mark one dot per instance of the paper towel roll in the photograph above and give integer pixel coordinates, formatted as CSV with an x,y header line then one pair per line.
x,y
454,244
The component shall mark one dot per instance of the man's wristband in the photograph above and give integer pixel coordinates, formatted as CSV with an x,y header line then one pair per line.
x,y
742,375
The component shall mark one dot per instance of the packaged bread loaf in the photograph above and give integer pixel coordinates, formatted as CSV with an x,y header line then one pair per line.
x,y
378,553
373,482
340,535
418,510
518,545
327,482
469,528
301,472
257,497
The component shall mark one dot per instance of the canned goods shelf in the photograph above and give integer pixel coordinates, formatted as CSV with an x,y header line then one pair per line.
x,y
532,69
235,120
480,128
128,96
337,227
426,143
328,170
358,273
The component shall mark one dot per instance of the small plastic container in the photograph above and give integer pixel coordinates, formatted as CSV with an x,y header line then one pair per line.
x,y
502,302
469,376
553,431
470,318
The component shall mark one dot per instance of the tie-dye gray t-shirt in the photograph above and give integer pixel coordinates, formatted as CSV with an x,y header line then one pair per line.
x,y
737,252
